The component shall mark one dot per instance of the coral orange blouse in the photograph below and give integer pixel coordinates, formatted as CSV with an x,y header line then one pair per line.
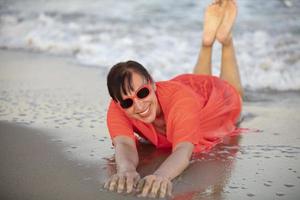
x,y
199,109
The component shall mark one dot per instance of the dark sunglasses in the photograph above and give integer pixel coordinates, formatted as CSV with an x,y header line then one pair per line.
x,y
141,93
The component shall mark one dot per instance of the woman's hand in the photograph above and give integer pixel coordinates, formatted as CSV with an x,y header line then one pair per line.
x,y
154,186
117,182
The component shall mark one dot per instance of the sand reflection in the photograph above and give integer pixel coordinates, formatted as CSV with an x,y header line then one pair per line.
x,y
205,178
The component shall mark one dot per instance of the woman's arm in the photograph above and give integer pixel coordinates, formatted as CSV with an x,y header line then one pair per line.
x,y
126,154
174,165
177,162
126,157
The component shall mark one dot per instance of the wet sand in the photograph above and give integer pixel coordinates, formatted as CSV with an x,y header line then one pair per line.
x,y
54,143
32,167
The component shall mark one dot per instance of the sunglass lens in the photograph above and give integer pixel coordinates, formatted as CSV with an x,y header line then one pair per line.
x,y
127,103
143,93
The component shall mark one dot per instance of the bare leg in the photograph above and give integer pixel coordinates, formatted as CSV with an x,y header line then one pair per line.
x,y
227,10
203,65
229,66
212,20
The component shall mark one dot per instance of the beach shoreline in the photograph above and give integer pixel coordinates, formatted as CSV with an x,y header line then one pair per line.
x,y
55,144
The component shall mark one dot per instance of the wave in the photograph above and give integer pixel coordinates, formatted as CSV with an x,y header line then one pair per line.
x,y
161,38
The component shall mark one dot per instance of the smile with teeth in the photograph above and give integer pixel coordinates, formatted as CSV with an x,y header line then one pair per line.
x,y
144,113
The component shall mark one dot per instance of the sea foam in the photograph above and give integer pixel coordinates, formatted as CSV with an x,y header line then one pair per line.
x,y
162,36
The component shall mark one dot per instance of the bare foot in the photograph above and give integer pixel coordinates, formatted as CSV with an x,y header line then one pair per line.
x,y
224,30
212,19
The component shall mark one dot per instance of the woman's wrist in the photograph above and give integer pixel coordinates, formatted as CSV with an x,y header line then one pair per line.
x,y
162,174
126,169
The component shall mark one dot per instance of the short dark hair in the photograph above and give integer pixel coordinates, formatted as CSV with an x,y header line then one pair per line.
x,y
119,78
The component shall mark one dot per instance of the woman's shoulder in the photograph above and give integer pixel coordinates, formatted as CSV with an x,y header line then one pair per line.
x,y
171,93
169,87
187,78
185,84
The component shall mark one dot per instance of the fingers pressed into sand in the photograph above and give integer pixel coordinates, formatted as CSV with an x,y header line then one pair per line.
x,y
212,19
163,189
230,12
170,188
121,184
146,188
155,188
129,184
113,183
140,185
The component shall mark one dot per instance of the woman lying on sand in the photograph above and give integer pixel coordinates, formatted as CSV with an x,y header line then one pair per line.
x,y
189,113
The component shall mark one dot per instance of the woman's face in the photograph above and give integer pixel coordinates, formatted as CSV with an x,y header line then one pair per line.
x,y
144,109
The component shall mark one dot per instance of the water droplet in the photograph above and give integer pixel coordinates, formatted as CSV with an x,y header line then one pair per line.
x,y
288,185
280,194
250,195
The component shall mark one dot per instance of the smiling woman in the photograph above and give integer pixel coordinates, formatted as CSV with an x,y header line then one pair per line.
x,y
130,84
189,113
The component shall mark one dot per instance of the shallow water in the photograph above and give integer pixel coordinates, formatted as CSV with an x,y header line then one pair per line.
x,y
235,169
162,35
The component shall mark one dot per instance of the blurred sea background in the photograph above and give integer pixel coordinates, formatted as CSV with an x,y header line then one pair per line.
x,y
165,36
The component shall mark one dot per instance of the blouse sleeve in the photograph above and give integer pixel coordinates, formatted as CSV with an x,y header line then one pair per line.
x,y
118,123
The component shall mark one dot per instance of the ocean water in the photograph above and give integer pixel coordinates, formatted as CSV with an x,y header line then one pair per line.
x,y
164,35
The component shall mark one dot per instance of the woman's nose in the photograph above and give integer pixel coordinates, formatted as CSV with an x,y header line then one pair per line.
x,y
138,103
